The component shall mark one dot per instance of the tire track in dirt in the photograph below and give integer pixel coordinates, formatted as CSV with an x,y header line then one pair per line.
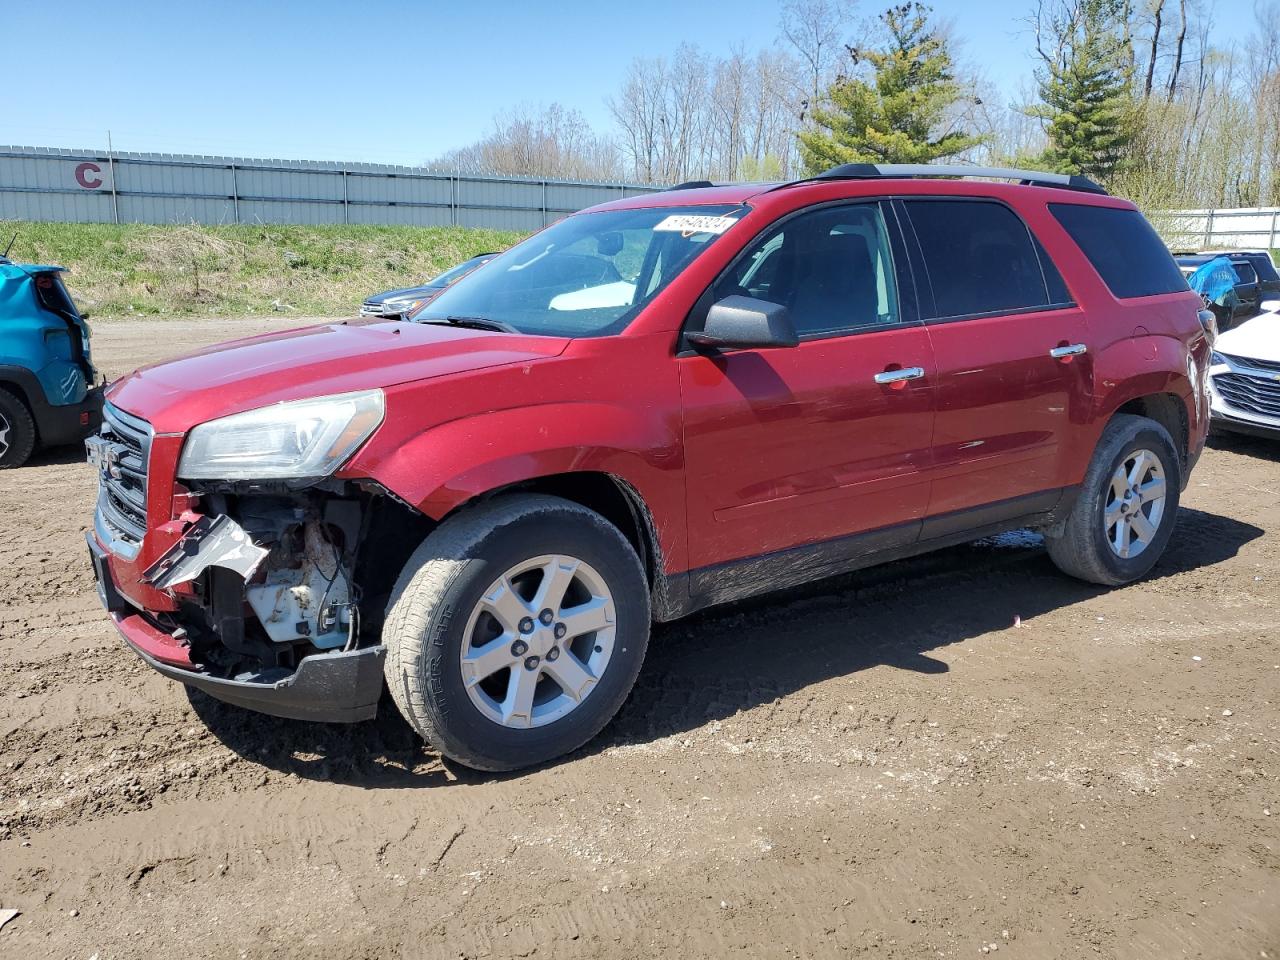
x,y
879,764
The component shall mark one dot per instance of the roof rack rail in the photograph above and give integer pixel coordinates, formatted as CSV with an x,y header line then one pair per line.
x,y
689,185
871,171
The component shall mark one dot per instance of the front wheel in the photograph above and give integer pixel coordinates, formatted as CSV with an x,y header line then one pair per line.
x,y
516,631
1125,512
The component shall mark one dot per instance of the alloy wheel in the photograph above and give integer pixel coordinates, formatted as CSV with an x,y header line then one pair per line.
x,y
4,434
1135,503
538,641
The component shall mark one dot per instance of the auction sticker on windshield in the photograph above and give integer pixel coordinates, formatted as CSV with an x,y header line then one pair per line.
x,y
690,224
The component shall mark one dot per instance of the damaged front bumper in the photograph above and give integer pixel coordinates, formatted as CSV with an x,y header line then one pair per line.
x,y
333,687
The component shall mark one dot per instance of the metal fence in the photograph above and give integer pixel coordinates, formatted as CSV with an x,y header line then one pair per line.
x,y
1244,227
84,186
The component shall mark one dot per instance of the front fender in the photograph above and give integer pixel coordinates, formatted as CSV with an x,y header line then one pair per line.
x,y
447,465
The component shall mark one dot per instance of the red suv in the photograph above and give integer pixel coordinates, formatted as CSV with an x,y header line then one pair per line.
x,y
659,404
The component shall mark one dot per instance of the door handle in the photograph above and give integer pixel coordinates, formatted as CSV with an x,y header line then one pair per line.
x,y
1071,350
898,376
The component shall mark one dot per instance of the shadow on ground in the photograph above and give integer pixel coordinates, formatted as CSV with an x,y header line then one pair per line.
x,y
1261,448
722,661
57,456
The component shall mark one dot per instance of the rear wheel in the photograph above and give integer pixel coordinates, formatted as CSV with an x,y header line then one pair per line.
x,y
516,631
17,431
1125,512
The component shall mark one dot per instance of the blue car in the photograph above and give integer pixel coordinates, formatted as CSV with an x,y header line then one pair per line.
x,y
49,391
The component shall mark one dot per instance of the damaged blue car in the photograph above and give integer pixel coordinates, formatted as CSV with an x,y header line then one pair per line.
x,y
49,390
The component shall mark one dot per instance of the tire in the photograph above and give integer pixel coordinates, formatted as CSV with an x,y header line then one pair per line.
x,y
17,431
1084,546
445,594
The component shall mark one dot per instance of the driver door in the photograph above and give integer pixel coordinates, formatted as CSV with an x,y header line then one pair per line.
x,y
818,452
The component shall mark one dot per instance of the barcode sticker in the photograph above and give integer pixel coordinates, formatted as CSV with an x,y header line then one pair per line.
x,y
688,224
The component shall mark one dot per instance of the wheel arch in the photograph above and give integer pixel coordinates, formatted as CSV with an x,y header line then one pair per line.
x,y
1167,409
23,384
613,498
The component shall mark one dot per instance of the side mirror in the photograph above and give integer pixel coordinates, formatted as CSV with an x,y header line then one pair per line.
x,y
746,322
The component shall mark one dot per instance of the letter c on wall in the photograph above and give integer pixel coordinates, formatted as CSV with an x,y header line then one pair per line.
x,y
85,176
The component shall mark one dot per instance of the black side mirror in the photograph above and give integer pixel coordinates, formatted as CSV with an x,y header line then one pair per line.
x,y
746,322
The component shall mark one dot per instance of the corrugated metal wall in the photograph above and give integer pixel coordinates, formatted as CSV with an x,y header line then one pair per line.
x,y
42,183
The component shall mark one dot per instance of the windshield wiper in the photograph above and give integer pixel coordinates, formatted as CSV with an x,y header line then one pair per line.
x,y
475,323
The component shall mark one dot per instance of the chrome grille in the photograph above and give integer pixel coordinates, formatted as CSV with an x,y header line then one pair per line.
x,y
121,451
369,309
1256,394
1271,365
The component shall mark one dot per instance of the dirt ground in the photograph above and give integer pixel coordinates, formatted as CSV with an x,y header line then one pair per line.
x,y
962,752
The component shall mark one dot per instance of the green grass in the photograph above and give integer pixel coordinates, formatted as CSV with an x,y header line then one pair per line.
x,y
131,270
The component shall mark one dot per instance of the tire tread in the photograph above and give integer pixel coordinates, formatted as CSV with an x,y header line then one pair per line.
x,y
1075,550
21,423
414,618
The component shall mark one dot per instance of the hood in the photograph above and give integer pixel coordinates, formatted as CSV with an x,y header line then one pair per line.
x,y
1255,339
425,290
313,362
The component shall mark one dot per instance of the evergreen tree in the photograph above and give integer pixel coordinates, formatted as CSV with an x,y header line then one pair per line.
x,y
1086,88
898,115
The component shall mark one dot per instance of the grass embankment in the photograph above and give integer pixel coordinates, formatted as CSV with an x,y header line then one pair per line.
x,y
131,270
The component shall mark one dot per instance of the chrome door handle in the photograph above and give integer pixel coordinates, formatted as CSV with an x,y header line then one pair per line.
x,y
896,376
1072,350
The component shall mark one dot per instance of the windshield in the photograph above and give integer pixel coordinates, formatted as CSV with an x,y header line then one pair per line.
x,y
586,276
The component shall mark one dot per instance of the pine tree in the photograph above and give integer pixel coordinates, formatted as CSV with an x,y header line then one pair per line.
x,y
1086,89
898,115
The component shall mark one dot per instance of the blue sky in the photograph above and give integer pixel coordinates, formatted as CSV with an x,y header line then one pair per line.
x,y
368,80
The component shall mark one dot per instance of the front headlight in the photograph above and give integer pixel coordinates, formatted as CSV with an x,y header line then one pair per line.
x,y
1215,359
298,439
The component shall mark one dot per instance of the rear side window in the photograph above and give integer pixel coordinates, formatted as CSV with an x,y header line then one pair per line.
x,y
1123,248
1245,271
1263,266
981,258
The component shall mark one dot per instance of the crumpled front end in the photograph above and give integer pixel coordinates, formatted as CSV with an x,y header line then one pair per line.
x,y
258,594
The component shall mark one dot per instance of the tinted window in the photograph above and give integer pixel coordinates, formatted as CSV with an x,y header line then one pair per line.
x,y
831,268
1123,248
1057,288
980,257
1244,271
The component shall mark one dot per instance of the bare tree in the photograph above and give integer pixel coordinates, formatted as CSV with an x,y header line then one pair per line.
x,y
552,142
1178,48
1157,14
817,32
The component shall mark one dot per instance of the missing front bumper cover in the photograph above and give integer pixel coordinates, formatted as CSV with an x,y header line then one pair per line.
x,y
339,687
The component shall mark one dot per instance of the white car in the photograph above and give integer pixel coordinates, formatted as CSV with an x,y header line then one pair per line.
x,y
1244,375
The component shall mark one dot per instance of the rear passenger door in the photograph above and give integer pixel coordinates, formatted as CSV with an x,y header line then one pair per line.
x,y
1013,366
